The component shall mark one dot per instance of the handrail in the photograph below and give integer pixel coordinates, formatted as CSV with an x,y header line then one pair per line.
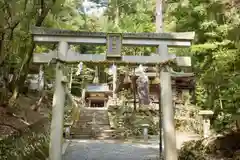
x,y
76,108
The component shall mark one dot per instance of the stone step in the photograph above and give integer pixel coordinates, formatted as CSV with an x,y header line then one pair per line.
x,y
88,124
93,111
90,120
83,118
90,112
91,123
77,136
90,137
91,117
107,134
82,133
105,137
84,129
90,132
99,128
104,117
98,132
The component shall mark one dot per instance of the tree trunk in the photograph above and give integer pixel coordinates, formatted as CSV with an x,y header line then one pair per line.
x,y
23,72
20,80
5,50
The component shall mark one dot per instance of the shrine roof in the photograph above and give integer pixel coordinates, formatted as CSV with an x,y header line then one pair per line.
x,y
97,88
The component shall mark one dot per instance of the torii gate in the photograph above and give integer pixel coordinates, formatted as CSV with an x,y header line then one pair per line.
x,y
114,41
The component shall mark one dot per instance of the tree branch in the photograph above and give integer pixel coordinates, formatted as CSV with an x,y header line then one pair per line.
x,y
8,8
11,24
3,6
25,4
23,71
44,12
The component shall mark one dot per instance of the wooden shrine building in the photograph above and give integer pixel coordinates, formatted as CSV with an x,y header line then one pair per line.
x,y
96,95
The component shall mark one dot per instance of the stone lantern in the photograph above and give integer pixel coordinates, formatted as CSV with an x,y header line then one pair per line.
x,y
67,130
206,114
145,132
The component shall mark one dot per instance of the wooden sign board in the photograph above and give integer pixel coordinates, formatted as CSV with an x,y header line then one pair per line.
x,y
114,45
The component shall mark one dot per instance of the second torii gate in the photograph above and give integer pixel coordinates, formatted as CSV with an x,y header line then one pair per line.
x,y
114,41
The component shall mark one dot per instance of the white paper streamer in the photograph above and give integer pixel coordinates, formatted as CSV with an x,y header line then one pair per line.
x,y
112,69
80,66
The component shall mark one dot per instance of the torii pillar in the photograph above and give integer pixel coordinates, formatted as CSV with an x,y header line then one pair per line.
x,y
168,125
55,147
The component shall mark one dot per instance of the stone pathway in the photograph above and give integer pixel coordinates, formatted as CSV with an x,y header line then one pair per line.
x,y
118,150
109,150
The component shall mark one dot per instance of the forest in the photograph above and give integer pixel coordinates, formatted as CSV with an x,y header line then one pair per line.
x,y
215,51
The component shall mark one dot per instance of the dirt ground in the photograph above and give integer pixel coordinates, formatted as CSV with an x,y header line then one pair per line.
x,y
16,119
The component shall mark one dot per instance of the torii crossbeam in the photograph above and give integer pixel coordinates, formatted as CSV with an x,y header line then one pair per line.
x,y
113,41
75,57
179,39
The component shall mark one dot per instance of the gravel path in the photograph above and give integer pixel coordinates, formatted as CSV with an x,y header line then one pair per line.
x,y
109,150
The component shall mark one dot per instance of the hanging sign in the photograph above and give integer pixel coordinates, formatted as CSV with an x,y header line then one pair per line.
x,y
114,45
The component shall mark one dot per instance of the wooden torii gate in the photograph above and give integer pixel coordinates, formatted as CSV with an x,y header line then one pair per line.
x,y
114,41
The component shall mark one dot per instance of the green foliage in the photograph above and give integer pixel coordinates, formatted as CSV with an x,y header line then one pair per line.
x,y
215,52
193,150
33,146
187,119
129,122
215,147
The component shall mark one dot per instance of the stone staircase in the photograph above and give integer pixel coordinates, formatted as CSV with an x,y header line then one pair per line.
x,y
93,124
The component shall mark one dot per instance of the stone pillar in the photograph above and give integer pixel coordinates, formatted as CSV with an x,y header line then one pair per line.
x,y
169,135
67,131
145,132
206,114
56,135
